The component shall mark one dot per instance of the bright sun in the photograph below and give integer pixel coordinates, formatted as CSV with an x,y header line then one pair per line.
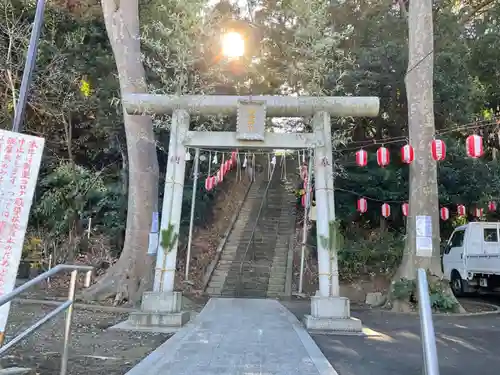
x,y
233,45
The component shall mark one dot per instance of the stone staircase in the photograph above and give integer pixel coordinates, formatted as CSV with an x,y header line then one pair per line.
x,y
259,269
229,253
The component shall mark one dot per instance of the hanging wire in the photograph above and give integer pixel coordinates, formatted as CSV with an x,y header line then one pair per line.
x,y
238,166
355,145
209,162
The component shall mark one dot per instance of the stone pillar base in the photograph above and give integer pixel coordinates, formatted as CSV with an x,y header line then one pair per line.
x,y
332,315
160,312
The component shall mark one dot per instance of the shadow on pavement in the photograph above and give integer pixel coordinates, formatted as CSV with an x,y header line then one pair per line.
x,y
466,345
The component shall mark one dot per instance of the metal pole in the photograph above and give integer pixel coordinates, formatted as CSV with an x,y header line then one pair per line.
x,y
28,67
304,228
67,323
193,202
428,337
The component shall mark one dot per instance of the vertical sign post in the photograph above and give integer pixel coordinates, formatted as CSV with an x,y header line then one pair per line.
x,y
20,158
423,239
153,235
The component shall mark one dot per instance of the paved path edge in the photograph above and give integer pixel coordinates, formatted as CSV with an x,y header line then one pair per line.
x,y
148,363
317,357
450,315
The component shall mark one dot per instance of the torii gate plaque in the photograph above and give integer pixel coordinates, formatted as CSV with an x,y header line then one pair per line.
x,y
251,121
329,311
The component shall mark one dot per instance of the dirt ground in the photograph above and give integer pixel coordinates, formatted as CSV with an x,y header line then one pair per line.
x,y
94,348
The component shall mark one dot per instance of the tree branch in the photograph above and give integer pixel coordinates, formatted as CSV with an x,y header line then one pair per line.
x,y
475,10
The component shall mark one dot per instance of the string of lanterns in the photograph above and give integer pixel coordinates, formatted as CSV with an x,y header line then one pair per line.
x,y
473,143
474,147
226,165
444,212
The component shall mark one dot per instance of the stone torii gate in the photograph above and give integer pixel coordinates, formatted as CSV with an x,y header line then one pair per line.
x,y
163,306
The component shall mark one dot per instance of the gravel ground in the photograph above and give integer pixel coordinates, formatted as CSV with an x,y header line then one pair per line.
x,y
94,348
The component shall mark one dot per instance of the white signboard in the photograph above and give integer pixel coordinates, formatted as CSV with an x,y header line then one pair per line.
x,y
20,157
423,228
154,235
312,213
251,121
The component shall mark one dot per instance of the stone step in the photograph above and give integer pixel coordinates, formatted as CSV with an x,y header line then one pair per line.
x,y
216,284
219,274
18,371
254,259
277,280
213,291
147,318
276,284
275,292
245,278
279,263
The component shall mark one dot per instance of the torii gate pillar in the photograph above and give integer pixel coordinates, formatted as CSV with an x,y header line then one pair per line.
x,y
163,305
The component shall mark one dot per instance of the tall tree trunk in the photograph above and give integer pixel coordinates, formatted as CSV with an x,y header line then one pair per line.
x,y
132,274
423,171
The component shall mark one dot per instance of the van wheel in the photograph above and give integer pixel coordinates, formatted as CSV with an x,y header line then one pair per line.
x,y
457,285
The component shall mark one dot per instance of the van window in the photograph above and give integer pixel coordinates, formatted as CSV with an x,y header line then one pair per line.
x,y
457,240
490,235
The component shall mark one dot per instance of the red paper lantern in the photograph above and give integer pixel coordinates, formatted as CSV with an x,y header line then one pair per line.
x,y
406,209
361,158
407,154
478,212
234,156
227,166
383,157
303,171
492,206
461,210
220,174
438,150
362,205
305,186
445,213
386,210
303,200
474,146
209,183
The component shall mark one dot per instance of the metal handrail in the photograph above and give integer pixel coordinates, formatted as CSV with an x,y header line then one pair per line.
x,y
66,306
252,235
428,336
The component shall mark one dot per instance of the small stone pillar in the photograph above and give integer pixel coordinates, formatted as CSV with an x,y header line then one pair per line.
x,y
160,311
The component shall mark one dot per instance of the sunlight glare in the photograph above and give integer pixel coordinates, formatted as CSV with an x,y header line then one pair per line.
x,y
233,45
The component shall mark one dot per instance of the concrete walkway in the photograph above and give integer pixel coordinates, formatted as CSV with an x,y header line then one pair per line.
x,y
238,337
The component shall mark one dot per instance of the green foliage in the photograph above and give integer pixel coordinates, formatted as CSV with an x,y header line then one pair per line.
x,y
440,298
404,290
71,193
33,251
334,240
169,238
367,252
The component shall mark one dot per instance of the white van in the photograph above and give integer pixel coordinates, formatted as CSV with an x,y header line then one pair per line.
x,y
471,258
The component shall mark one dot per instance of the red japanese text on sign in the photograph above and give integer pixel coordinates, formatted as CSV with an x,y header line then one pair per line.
x,y
20,157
